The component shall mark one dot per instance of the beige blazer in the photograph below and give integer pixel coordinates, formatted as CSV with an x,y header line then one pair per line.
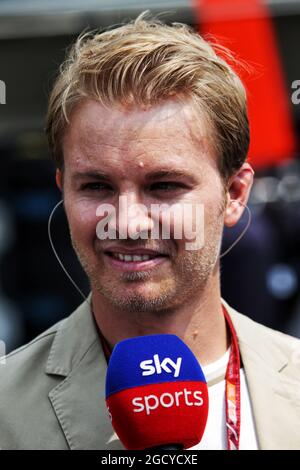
x,y
52,390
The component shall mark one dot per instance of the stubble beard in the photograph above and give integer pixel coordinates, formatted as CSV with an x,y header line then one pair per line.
x,y
192,272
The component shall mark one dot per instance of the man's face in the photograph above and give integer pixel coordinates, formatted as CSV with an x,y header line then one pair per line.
x,y
126,145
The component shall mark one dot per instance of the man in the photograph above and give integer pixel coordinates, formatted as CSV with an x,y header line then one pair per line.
x,y
149,113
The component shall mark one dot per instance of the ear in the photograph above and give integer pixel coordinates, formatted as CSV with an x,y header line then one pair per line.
x,y
58,178
238,191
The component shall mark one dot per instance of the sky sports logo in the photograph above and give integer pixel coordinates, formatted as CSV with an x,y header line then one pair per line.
x,y
155,366
177,398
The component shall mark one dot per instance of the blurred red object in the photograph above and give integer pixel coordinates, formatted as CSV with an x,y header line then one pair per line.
x,y
245,27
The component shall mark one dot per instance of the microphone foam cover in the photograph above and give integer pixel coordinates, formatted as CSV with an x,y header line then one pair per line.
x,y
156,393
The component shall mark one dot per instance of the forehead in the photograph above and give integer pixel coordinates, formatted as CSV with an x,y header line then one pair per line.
x,y
170,133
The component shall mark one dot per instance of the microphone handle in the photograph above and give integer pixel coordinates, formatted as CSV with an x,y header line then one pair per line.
x,y
166,447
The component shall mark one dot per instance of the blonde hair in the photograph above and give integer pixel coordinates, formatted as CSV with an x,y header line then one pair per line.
x,y
146,62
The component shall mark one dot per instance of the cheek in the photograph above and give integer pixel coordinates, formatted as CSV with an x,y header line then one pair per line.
x,y
198,219
184,222
82,220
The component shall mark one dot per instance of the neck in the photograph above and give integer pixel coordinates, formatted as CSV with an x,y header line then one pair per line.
x,y
201,324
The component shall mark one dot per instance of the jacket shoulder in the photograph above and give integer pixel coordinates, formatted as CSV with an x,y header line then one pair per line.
x,y
275,348
37,348
25,410
279,338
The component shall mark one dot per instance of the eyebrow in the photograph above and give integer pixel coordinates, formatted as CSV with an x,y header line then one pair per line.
x,y
151,176
172,174
91,174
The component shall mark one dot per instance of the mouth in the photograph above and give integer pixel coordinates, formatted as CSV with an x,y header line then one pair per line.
x,y
134,262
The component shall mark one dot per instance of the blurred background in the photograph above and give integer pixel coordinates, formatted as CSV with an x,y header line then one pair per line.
x,y
261,275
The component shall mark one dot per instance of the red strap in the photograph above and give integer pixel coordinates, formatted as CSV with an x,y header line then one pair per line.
x,y
233,390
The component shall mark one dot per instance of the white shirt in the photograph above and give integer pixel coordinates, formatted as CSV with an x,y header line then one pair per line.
x,y
215,435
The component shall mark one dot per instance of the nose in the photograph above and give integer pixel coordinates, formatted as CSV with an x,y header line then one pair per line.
x,y
134,220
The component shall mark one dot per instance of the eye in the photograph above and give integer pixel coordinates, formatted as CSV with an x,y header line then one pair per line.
x,y
167,186
94,186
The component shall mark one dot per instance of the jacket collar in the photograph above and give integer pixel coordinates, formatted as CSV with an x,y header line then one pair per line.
x,y
74,337
79,400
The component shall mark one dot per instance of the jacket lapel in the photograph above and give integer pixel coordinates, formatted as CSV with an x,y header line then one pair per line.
x,y
270,375
79,400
